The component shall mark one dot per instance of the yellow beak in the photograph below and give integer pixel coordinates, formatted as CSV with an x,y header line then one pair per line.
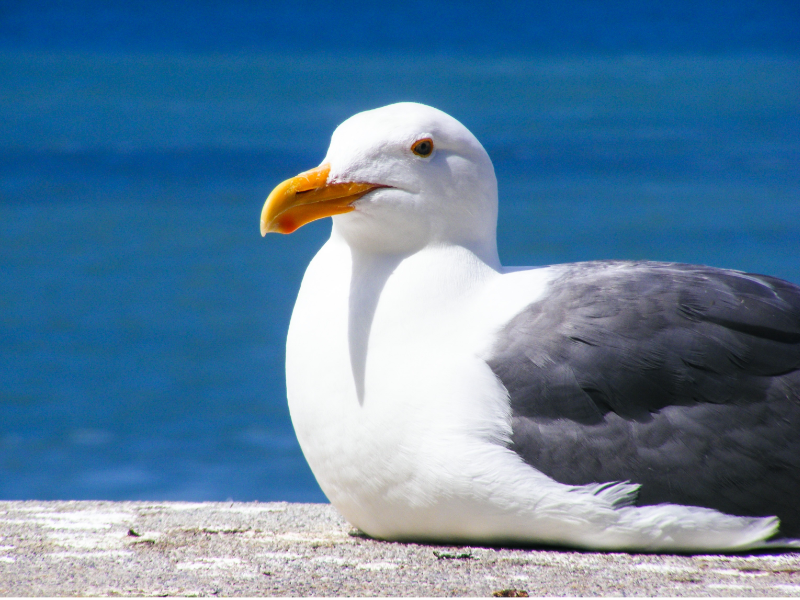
x,y
309,197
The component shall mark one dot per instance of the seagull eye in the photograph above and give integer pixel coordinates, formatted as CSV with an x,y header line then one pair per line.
x,y
423,147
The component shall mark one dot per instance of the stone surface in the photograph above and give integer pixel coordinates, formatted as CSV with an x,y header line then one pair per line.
x,y
279,549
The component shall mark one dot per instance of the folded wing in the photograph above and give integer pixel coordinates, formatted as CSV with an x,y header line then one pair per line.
x,y
684,379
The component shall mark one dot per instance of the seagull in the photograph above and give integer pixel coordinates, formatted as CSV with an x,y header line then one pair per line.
x,y
439,396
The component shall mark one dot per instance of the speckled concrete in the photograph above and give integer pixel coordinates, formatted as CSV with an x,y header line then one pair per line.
x,y
279,549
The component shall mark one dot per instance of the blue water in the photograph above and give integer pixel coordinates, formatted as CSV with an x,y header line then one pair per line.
x,y
142,316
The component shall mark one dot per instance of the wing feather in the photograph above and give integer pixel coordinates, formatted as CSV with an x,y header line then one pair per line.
x,y
684,379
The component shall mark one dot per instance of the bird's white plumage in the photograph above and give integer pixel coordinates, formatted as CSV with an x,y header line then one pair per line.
x,y
403,423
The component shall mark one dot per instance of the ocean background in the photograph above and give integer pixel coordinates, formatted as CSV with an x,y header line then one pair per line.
x,y
143,317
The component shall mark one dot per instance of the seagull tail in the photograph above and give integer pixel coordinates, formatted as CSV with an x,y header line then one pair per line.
x,y
693,529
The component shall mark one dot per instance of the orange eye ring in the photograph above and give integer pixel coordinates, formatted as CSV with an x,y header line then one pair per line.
x,y
423,147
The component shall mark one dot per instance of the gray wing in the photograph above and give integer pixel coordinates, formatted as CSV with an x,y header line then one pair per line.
x,y
684,379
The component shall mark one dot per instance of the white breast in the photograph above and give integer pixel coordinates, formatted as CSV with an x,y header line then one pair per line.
x,y
379,375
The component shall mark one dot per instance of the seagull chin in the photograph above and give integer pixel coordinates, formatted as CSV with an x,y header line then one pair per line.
x,y
441,397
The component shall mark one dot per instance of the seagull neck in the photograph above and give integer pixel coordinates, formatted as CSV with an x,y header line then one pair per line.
x,y
483,251
486,251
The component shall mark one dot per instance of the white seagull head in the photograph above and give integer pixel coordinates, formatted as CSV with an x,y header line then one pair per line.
x,y
395,179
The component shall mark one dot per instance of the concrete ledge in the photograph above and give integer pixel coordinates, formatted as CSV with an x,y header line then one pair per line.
x,y
279,549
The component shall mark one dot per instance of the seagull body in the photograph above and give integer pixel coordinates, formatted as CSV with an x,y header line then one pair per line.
x,y
439,396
